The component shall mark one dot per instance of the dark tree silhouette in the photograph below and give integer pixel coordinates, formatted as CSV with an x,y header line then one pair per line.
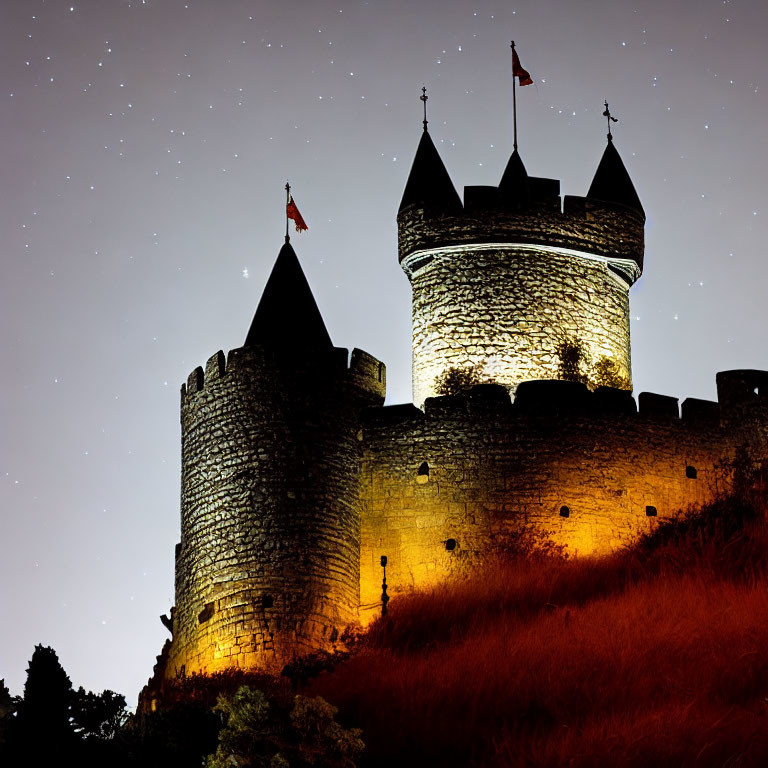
x,y
98,716
453,381
42,730
573,358
7,710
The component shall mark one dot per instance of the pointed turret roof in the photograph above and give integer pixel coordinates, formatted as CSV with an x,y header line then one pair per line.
x,y
287,316
612,183
429,182
514,182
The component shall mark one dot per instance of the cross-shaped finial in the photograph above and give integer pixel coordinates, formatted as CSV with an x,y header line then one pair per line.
x,y
607,114
424,98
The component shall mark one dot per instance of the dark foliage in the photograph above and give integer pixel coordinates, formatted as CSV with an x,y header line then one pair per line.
x,y
51,724
179,736
572,360
262,733
454,381
304,668
606,374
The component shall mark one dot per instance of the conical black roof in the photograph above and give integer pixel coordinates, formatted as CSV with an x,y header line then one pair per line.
x,y
429,182
514,182
612,182
287,316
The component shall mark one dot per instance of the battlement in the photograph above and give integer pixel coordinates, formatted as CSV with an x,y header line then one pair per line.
x,y
543,398
607,230
361,370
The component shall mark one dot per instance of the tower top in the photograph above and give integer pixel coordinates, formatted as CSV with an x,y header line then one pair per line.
x,y
612,183
287,316
428,182
514,183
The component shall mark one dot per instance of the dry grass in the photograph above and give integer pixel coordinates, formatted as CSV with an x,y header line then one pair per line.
x,y
658,657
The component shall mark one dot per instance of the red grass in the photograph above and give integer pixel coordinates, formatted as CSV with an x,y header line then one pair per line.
x,y
635,660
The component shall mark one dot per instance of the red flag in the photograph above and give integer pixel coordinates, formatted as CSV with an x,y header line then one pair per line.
x,y
522,75
292,212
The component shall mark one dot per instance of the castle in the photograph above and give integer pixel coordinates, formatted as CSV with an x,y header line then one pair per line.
x,y
297,480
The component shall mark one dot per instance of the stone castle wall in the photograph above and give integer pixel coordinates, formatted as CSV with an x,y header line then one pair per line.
x,y
446,487
268,564
503,310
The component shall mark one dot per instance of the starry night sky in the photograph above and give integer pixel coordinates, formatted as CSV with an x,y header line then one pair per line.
x,y
145,147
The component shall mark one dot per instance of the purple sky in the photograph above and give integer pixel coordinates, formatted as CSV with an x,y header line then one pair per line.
x,y
145,149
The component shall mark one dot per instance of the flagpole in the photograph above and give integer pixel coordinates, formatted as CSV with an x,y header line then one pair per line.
x,y
514,99
287,200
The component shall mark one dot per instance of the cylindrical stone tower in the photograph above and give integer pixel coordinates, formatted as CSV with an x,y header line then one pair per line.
x,y
268,566
506,281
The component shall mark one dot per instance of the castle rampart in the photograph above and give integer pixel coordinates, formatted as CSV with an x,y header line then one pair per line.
x,y
446,487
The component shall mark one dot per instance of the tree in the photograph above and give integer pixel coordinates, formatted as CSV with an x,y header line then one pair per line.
x,y
607,374
322,740
178,736
453,381
573,359
263,734
246,739
98,716
42,731
7,710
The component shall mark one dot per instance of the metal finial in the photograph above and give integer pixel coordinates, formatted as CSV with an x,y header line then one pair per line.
x,y
607,114
287,200
424,98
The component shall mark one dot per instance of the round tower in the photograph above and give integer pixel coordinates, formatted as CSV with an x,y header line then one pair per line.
x,y
506,282
268,566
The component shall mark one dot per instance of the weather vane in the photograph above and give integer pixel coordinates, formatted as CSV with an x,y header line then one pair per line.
x,y
424,98
607,114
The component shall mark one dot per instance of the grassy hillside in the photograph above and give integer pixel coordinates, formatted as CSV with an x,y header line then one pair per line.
x,y
654,657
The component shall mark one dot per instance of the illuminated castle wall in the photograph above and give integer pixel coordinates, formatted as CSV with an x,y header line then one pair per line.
x,y
446,486
296,480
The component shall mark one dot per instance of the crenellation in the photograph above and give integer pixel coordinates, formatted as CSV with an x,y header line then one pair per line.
x,y
613,400
195,381
696,411
655,406
368,373
215,367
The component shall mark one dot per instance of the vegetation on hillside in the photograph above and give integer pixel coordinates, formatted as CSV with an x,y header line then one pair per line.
x,y
653,657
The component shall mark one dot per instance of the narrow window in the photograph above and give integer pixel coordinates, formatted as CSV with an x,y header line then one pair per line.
x,y
650,511
690,472
422,476
267,601
381,371
451,544
565,512
206,613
